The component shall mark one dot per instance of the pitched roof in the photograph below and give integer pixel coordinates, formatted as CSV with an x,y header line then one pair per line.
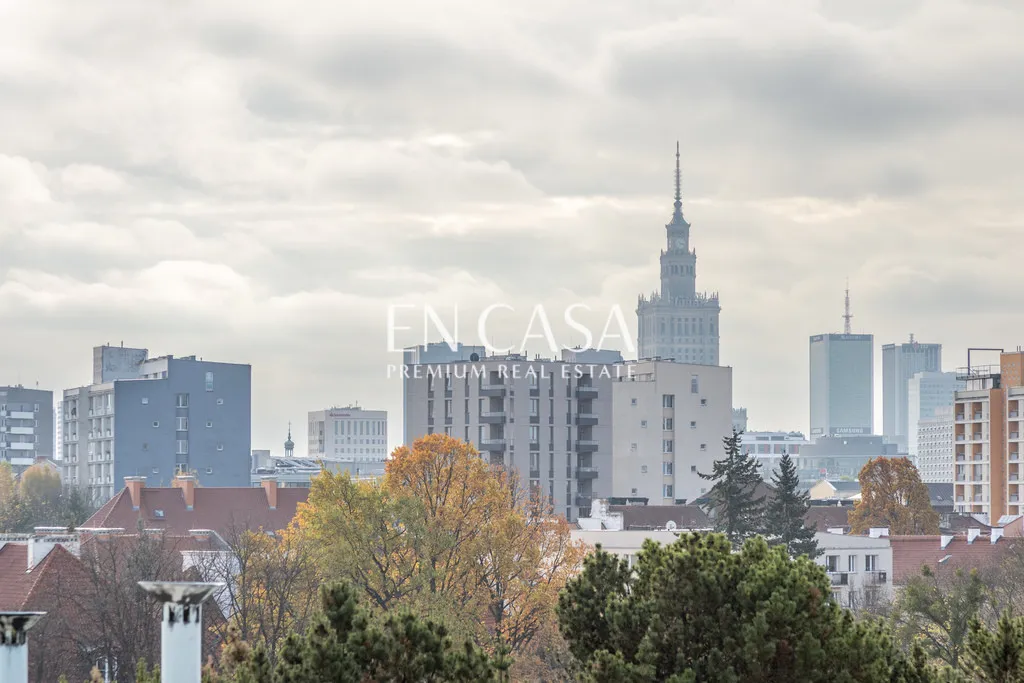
x,y
940,494
221,509
825,517
19,585
658,516
911,553
845,486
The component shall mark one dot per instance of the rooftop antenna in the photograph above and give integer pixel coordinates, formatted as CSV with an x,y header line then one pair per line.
x,y
847,316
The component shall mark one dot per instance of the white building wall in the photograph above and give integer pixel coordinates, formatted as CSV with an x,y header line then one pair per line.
x,y
928,392
350,434
860,568
660,445
934,445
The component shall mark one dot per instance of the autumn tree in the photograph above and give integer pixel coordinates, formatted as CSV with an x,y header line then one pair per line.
x,y
733,504
893,496
785,513
37,498
697,610
448,536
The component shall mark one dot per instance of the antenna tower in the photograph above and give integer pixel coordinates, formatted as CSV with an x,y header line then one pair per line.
x,y
847,316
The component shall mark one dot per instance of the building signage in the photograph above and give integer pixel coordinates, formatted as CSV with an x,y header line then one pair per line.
x,y
846,431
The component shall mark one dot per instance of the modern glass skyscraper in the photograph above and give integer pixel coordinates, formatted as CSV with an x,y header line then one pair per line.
x,y
900,362
842,384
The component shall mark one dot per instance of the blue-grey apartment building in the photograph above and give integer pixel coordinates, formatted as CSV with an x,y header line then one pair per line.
x,y
156,417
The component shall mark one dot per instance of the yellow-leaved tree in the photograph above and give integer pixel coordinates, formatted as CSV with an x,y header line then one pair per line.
x,y
449,536
893,496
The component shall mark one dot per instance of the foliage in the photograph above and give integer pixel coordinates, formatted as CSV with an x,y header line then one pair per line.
x,y
893,496
732,504
935,611
698,611
996,656
785,513
447,536
38,499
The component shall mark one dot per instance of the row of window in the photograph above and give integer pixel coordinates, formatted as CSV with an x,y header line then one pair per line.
x,y
360,428
832,563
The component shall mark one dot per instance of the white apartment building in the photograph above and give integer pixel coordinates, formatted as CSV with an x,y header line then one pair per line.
x,y
550,420
769,447
860,567
668,422
353,437
928,392
934,444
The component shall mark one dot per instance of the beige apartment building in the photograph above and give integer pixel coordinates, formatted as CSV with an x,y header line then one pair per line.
x,y
987,439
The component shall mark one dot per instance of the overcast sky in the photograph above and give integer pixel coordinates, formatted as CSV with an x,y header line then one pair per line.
x,y
257,181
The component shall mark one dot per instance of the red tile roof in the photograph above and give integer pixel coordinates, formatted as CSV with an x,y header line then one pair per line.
x,y
20,587
911,553
824,517
224,510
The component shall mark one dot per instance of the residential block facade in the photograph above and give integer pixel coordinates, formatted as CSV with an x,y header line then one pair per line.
x,y
26,424
354,439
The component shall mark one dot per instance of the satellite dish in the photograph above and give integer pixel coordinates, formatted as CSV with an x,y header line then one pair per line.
x,y
671,526
474,357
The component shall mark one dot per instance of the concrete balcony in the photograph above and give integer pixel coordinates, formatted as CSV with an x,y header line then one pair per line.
x,y
840,578
586,391
584,419
492,389
583,500
584,446
493,445
494,417
586,472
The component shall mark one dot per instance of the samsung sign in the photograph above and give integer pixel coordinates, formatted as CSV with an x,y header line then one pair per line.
x,y
848,431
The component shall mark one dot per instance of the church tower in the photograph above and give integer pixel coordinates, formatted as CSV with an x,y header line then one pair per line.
x,y
678,322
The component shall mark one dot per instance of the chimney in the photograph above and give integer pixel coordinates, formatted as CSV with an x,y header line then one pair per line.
x,y
187,484
181,637
270,488
878,532
996,534
973,534
135,486
945,540
14,645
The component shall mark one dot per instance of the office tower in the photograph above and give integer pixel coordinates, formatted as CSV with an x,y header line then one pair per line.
x,y
927,393
549,420
157,417
986,439
678,322
900,362
26,425
842,384
354,439
668,422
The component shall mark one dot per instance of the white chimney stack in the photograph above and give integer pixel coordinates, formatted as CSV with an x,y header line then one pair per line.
x,y
181,648
14,645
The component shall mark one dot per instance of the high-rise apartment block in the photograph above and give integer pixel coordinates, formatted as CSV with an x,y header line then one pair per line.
x,y
987,439
934,446
353,439
678,322
668,422
900,362
26,424
929,393
842,384
549,420
156,417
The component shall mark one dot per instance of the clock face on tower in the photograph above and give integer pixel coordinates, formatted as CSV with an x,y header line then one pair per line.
x,y
680,243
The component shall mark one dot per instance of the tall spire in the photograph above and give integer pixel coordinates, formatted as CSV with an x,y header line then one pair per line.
x,y
289,445
847,316
678,212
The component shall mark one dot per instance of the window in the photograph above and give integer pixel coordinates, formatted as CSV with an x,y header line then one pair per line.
x,y
667,446
851,563
220,447
182,424
145,401
643,469
703,446
693,468
209,470
668,401
220,401
666,468
448,431
181,401
209,424
632,401
182,447
632,446
209,381
534,462
643,423
632,492
666,424
156,423
704,402
534,407
534,433
447,412
871,563
693,424
666,491
694,384
831,563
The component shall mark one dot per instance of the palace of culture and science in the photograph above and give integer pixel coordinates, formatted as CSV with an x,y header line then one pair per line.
x,y
679,323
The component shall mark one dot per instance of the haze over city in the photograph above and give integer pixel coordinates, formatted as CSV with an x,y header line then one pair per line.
x,y
260,191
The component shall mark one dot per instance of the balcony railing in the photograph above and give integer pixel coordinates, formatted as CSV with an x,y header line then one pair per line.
x,y
1014,435
586,391
840,578
586,472
586,446
1013,413
878,577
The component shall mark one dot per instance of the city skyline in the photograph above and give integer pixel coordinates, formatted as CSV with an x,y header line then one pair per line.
x,y
243,193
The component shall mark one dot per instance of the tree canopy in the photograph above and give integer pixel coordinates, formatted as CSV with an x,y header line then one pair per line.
x,y
785,513
893,496
732,503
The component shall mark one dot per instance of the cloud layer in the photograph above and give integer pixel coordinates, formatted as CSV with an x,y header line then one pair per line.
x,y
258,182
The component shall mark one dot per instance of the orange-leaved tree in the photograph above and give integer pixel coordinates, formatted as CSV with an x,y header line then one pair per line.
x,y
893,496
447,535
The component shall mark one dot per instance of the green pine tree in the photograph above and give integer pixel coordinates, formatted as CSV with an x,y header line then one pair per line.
x,y
732,503
784,523
997,656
